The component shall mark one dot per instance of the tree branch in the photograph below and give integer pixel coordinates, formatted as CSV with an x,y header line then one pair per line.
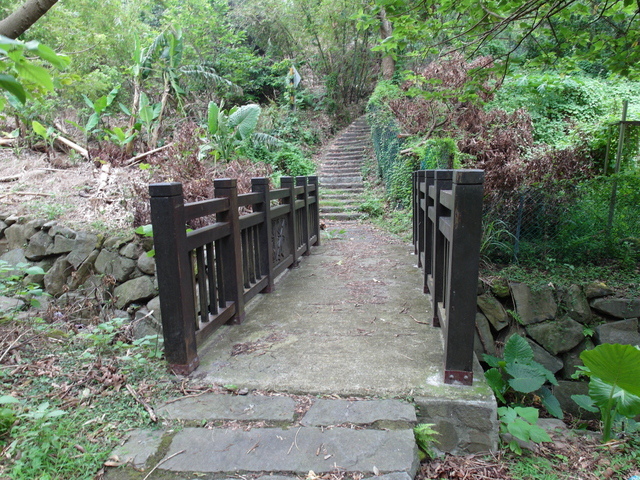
x,y
19,21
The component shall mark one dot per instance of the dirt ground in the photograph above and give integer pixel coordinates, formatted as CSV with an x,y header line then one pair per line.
x,y
70,189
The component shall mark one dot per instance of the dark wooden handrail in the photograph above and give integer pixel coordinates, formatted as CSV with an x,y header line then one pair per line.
x,y
206,276
447,229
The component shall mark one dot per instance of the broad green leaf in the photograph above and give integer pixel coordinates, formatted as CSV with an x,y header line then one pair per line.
x,y
39,129
519,429
548,374
92,122
507,414
517,350
526,379
112,95
550,403
88,101
35,270
585,402
530,414
491,360
46,53
538,434
496,382
124,109
6,399
100,105
615,364
146,115
212,118
36,74
11,85
245,119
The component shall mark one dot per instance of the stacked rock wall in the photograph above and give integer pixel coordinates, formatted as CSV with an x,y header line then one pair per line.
x,y
558,323
115,270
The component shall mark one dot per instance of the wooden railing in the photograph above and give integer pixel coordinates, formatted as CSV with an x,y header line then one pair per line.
x,y
206,276
447,229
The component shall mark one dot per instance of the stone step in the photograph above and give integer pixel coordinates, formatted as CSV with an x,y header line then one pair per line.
x,y
342,217
337,178
354,187
283,442
347,208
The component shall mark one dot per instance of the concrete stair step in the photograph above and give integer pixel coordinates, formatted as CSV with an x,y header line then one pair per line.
x,y
354,187
337,178
347,208
285,443
342,217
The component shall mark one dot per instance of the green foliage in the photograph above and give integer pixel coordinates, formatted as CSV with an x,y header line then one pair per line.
x,y
518,373
614,386
20,76
425,436
12,282
521,423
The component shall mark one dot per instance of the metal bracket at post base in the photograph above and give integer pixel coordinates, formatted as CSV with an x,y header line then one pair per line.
x,y
185,369
453,376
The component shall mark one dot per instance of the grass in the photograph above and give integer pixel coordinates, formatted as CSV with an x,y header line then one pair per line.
x,y
71,390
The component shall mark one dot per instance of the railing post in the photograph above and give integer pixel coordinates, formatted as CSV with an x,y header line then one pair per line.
x,y
315,208
174,275
414,218
419,216
428,226
231,253
464,256
442,181
261,185
303,182
287,182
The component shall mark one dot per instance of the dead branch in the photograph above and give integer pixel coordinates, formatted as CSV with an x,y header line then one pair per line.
x,y
81,150
10,178
7,142
147,407
137,158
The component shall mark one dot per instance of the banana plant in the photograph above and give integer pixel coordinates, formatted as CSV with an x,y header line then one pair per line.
x,y
99,107
229,129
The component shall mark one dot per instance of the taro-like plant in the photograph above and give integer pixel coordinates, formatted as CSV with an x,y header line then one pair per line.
x,y
517,375
614,386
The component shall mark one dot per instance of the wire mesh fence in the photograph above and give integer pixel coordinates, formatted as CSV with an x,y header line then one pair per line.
x,y
566,222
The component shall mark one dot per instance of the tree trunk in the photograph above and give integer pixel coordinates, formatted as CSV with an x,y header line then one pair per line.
x,y
19,21
388,63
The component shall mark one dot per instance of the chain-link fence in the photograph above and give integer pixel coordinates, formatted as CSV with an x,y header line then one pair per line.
x,y
565,222
385,134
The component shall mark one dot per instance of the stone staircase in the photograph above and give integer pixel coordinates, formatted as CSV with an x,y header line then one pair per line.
x,y
287,436
340,173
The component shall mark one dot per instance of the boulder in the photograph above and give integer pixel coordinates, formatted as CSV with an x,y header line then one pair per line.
x,y
577,305
557,336
3,227
61,244
55,280
500,288
145,324
115,243
563,392
147,264
618,307
111,263
58,230
85,244
39,243
534,306
18,234
131,250
14,257
84,271
571,360
484,334
494,311
624,332
154,307
597,289
138,290
540,355
9,304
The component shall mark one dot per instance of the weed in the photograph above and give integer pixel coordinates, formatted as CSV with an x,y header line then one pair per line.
x,y
335,234
425,436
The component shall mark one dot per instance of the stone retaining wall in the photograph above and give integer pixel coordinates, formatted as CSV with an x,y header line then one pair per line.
x,y
558,323
114,270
